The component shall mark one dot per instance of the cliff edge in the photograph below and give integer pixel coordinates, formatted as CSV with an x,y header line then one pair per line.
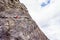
x,y
16,23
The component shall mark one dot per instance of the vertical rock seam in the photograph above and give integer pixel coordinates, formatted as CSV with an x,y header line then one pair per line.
x,y
16,23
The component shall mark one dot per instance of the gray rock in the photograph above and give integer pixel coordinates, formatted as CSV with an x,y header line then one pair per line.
x,y
16,23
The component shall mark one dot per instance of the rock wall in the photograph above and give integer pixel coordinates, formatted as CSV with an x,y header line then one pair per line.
x,y
16,23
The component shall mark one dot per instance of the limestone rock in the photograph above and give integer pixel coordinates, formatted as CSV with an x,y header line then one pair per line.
x,y
16,23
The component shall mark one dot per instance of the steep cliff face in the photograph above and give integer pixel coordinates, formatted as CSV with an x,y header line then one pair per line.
x,y
16,23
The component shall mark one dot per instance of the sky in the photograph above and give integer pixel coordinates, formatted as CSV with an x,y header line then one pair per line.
x,y
46,13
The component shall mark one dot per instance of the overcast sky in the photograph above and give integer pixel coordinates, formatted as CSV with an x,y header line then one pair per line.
x,y
46,13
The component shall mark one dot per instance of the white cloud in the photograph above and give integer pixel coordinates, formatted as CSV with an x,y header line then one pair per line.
x,y
47,17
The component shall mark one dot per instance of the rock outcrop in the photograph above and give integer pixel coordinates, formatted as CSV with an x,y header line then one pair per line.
x,y
16,23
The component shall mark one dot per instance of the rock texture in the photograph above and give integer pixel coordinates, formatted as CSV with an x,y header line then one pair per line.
x,y
16,23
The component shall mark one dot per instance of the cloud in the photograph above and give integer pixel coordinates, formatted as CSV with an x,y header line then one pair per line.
x,y
47,18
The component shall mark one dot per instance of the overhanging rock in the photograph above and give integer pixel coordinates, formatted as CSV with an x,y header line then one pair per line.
x,y
16,23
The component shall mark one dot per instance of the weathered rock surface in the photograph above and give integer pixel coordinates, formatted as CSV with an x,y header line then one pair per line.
x,y
16,23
